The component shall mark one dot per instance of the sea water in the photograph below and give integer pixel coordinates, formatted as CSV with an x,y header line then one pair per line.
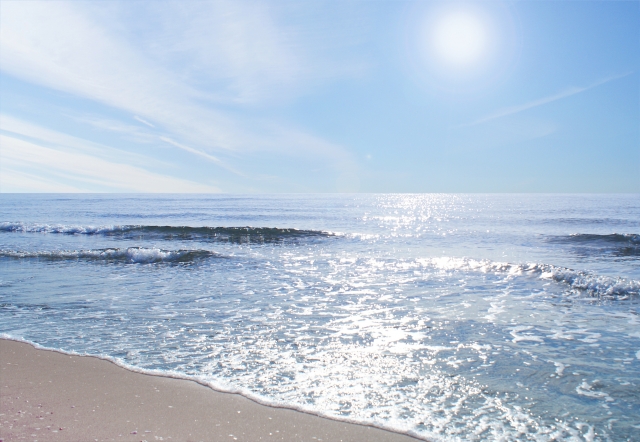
x,y
449,317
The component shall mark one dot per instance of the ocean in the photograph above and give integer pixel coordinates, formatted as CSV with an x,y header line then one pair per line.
x,y
444,316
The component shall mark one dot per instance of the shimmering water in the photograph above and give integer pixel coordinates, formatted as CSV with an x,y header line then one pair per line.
x,y
451,317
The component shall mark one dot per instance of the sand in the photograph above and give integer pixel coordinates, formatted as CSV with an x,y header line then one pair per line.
x,y
50,396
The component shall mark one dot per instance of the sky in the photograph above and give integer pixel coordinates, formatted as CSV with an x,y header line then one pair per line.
x,y
319,96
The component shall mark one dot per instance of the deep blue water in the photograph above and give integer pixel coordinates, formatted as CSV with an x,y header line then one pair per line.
x,y
453,317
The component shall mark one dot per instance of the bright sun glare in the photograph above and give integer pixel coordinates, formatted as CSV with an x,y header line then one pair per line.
x,y
460,38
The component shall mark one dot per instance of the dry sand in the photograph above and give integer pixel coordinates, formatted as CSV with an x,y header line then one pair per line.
x,y
50,396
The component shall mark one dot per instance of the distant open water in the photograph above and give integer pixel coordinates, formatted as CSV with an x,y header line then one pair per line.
x,y
449,317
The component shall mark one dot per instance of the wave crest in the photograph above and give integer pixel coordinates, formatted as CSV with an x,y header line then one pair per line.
x,y
592,284
617,245
222,234
615,238
138,255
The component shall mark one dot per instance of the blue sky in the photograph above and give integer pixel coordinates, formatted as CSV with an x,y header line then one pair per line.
x,y
291,96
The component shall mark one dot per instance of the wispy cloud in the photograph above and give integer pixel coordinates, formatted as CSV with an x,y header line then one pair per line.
x,y
16,181
201,154
72,169
129,131
542,101
135,117
66,46
51,138
35,158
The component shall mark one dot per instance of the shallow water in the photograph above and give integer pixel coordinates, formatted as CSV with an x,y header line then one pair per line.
x,y
452,317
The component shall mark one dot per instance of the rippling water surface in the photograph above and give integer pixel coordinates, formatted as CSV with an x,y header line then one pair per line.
x,y
449,317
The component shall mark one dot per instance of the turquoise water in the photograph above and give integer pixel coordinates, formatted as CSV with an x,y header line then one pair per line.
x,y
449,317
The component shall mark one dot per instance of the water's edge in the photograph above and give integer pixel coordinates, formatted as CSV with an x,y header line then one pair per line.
x,y
220,388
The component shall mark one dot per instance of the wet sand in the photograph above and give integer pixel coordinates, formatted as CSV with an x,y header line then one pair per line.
x,y
50,396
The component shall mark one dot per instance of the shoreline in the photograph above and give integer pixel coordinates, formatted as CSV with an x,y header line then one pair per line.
x,y
51,395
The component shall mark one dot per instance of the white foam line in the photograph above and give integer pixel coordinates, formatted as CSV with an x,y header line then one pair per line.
x,y
577,280
226,388
138,255
46,228
21,227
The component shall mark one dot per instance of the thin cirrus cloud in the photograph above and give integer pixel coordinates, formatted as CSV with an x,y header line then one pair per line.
x,y
68,46
512,110
143,121
71,170
20,181
137,134
56,45
251,52
35,158
236,47
18,128
201,154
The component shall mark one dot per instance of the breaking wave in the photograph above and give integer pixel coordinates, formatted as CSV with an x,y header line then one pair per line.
x,y
222,234
129,255
589,283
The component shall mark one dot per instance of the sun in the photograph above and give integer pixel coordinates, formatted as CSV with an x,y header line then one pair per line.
x,y
459,38
461,47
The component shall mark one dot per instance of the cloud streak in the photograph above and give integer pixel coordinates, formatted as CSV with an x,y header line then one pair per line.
x,y
66,46
81,170
143,121
39,159
51,138
512,110
201,154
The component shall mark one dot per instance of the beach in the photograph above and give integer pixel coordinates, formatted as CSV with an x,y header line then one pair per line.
x,y
319,220
442,317
51,396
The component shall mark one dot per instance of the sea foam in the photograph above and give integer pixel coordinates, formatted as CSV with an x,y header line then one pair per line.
x,y
245,234
592,284
129,255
